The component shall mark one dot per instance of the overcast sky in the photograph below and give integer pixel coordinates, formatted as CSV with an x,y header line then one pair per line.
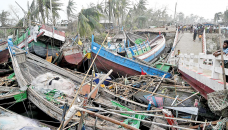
x,y
205,8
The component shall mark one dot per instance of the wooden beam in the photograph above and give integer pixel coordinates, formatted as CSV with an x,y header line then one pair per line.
x,y
158,85
133,102
201,125
12,28
127,126
187,98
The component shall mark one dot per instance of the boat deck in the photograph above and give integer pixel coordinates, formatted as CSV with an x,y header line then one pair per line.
x,y
196,66
186,44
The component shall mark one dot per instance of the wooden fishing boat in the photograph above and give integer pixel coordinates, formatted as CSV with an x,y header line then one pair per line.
x,y
146,50
46,42
72,55
4,53
107,60
11,120
28,67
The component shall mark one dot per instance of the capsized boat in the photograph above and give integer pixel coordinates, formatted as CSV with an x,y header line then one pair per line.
x,y
107,60
42,41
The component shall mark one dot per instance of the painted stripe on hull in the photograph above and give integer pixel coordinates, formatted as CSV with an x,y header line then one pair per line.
x,y
118,70
203,89
150,55
155,54
125,62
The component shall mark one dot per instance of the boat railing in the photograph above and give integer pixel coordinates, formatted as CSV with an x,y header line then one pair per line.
x,y
174,43
202,63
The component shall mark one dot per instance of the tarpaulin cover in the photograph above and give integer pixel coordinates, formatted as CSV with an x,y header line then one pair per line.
x,y
20,97
156,101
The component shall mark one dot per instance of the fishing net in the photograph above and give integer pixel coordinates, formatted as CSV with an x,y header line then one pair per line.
x,y
50,81
218,102
10,121
221,124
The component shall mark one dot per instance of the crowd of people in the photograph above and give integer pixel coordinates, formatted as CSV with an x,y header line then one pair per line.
x,y
199,28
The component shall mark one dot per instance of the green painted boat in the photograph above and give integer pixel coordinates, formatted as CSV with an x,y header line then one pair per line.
x,y
41,41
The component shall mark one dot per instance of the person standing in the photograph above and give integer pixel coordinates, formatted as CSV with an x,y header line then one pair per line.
x,y
178,29
214,29
225,51
195,34
200,36
208,27
211,29
191,28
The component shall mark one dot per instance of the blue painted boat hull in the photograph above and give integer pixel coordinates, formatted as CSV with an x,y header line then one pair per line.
x,y
107,60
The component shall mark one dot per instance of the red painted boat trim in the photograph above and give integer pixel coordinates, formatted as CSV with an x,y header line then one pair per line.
x,y
198,86
50,29
74,58
4,56
105,65
3,43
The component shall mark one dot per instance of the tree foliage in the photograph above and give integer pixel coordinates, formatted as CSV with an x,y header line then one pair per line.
x,y
70,8
88,20
4,17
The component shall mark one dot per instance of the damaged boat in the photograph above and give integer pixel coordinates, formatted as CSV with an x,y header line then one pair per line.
x,y
107,60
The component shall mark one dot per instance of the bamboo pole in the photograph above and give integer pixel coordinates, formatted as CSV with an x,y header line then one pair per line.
x,y
120,123
158,84
222,59
144,90
88,70
187,98
135,112
140,89
101,81
129,112
106,118
176,87
201,125
83,81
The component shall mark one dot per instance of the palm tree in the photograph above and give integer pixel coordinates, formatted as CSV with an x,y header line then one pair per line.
x,y
43,9
40,4
70,8
141,6
56,7
123,9
88,20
